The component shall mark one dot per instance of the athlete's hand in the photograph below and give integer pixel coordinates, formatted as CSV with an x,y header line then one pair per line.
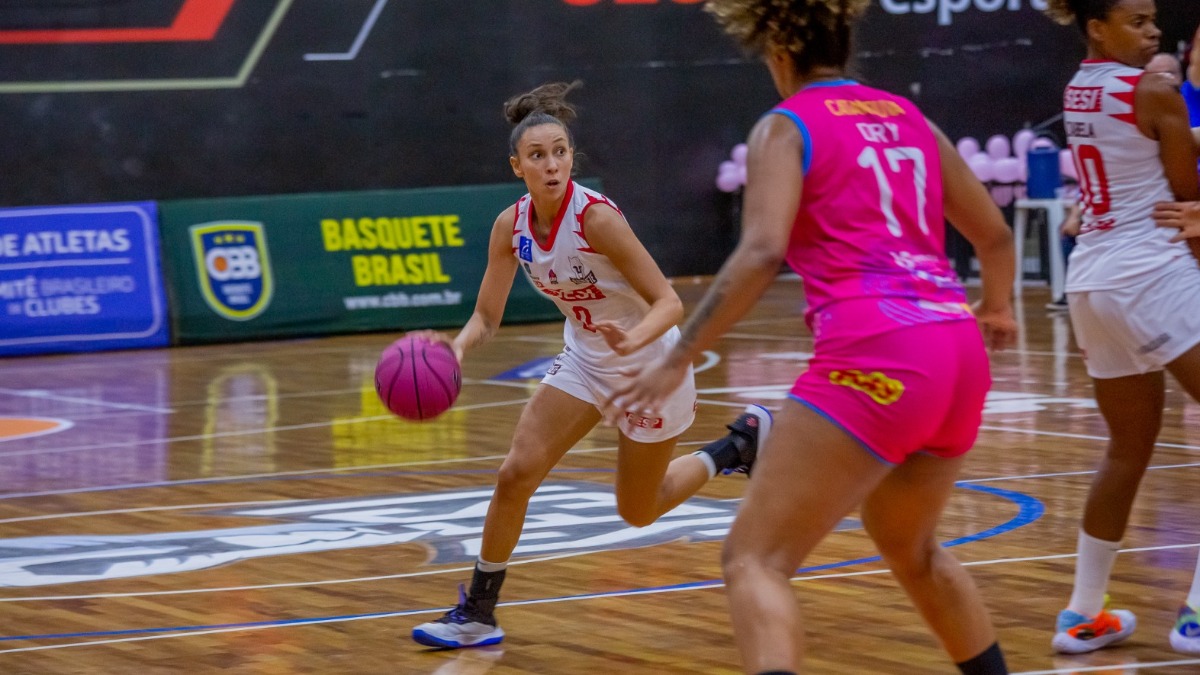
x,y
1183,216
435,337
618,340
645,390
997,324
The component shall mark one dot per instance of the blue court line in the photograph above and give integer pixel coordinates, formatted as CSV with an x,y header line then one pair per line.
x,y
246,479
1029,510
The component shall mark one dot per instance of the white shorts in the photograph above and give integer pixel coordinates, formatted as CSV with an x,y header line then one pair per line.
x,y
1139,329
571,374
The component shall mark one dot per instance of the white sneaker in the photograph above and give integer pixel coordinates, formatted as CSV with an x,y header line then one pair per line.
x,y
459,628
1185,636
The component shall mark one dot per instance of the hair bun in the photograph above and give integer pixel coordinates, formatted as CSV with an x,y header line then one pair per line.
x,y
549,99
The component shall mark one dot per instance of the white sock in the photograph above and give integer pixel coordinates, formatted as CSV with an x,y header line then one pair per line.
x,y
1092,569
1193,598
485,566
708,462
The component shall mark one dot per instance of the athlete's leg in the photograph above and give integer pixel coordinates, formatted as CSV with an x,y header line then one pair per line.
x,y
647,486
551,424
1185,634
901,516
1132,408
811,473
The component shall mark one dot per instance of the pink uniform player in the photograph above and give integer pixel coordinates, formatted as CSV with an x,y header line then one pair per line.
x,y
849,185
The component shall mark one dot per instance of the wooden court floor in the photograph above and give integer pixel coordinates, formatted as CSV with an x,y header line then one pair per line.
x,y
252,508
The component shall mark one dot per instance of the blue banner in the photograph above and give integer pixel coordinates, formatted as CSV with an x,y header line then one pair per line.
x,y
80,278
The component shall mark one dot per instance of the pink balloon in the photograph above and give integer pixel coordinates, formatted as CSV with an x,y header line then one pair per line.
x,y
982,166
1007,170
1042,142
998,147
967,147
739,153
727,181
1003,195
1021,141
1066,164
727,166
741,174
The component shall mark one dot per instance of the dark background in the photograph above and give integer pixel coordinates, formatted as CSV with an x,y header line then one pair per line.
x,y
666,96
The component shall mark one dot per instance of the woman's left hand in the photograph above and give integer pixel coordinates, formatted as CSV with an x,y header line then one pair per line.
x,y
618,340
1184,216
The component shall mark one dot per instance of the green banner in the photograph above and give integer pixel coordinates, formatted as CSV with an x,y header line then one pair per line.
x,y
310,264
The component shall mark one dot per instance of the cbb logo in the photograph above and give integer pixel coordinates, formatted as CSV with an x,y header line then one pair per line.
x,y
235,263
233,267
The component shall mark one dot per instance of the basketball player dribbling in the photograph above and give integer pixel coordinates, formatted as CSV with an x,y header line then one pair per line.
x,y
1134,293
849,185
575,246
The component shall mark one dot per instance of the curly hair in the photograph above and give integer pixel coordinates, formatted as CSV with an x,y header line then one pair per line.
x,y
1079,12
546,104
814,32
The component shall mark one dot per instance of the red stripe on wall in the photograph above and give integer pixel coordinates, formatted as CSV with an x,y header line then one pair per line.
x,y
198,20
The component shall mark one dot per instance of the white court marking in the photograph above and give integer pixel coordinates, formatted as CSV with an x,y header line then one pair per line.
x,y
543,601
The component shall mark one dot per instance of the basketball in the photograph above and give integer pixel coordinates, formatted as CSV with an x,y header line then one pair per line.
x,y
417,379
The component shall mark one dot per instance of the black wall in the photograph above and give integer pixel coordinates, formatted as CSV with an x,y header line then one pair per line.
x,y
666,96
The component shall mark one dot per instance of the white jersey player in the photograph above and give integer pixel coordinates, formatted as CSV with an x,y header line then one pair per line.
x,y
594,296
1133,294
576,248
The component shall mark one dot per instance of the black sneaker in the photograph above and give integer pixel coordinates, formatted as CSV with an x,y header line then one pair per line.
x,y
1058,305
460,627
755,424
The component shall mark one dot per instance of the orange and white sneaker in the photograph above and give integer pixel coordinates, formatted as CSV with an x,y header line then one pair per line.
x,y
1078,634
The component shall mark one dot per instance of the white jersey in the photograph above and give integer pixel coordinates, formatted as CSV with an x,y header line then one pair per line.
x,y
1120,178
584,284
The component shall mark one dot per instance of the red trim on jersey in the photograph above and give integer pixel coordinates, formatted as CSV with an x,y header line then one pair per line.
x,y
562,211
1127,97
592,201
517,216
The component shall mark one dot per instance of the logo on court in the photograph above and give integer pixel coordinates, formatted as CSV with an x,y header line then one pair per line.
x,y
234,268
563,517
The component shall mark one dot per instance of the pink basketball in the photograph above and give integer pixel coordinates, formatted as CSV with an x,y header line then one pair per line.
x,y
417,379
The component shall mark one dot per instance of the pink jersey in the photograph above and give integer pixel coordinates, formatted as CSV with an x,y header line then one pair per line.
x,y
870,225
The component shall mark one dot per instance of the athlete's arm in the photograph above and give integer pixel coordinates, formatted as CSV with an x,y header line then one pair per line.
x,y
493,290
610,235
772,198
971,211
773,187
1163,116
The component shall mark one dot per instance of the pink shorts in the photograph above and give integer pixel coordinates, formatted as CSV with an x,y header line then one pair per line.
x,y
919,388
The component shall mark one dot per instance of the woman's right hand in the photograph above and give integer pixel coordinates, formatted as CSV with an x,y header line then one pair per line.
x,y
438,336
